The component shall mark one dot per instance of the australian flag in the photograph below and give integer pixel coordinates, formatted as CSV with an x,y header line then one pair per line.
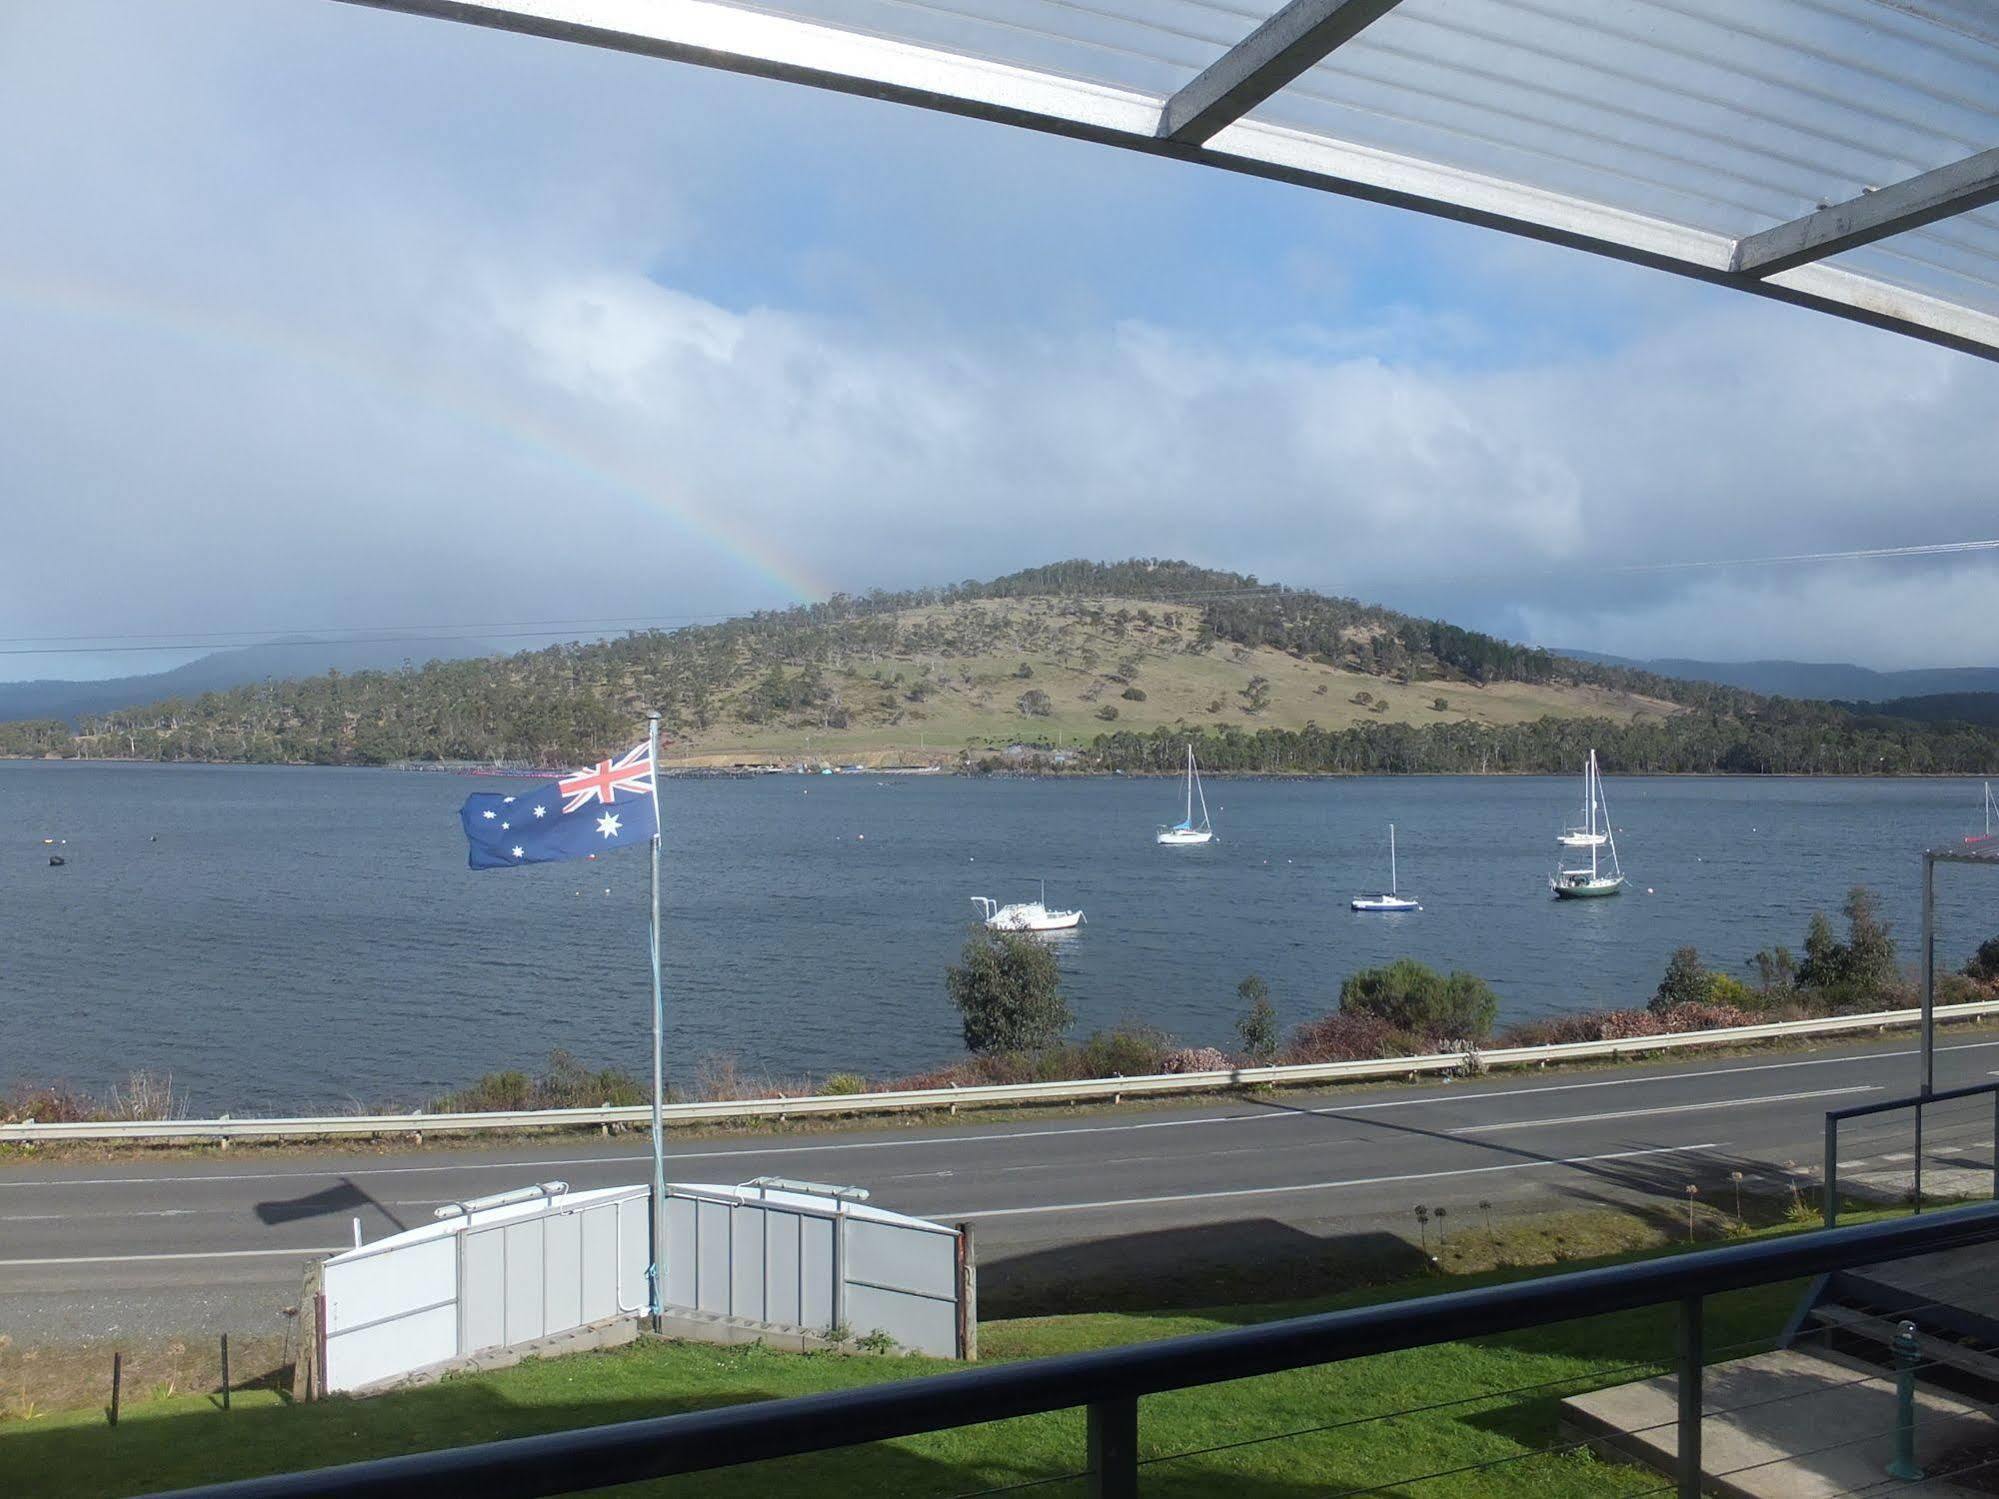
x,y
574,818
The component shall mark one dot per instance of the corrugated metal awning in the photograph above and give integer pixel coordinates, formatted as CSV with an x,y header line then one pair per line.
x,y
1841,154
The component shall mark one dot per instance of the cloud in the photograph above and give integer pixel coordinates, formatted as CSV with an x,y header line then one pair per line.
x,y
328,317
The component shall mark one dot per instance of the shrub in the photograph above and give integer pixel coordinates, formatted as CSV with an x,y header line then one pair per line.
x,y
1196,1059
1008,992
1107,713
1126,1050
1256,1028
1348,1038
1413,997
1133,694
1685,983
1984,965
1440,705
1034,703
1023,671
1726,989
845,1082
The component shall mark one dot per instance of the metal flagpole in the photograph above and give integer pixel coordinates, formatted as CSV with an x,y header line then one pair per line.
x,y
658,1271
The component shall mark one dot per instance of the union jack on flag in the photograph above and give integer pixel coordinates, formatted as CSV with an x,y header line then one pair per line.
x,y
549,823
630,773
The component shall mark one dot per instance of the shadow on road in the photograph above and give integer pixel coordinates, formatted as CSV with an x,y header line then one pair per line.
x,y
345,1198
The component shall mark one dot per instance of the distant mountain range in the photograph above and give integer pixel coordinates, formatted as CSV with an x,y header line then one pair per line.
x,y
1823,680
222,670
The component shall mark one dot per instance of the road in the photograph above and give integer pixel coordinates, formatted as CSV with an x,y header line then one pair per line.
x,y
1064,1208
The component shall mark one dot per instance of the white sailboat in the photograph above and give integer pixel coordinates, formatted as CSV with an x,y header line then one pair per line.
x,y
1394,900
1991,812
1185,830
1025,916
1578,883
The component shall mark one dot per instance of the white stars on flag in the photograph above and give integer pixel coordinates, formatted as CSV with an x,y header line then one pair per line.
x,y
519,852
489,814
540,810
506,798
608,824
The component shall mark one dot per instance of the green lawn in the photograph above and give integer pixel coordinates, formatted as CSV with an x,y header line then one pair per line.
x,y
186,1440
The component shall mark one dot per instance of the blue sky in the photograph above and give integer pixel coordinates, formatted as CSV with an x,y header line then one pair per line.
x,y
313,315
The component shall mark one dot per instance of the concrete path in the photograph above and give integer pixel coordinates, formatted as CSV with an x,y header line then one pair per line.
x,y
1787,1425
141,1246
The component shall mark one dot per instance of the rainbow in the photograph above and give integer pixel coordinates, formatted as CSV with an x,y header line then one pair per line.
x,y
521,428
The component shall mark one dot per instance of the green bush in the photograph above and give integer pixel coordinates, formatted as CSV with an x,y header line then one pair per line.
x,y
1256,1028
1984,966
846,1082
1685,983
1008,993
1133,694
1128,1049
1725,989
1411,997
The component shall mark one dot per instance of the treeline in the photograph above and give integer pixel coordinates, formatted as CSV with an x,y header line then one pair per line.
x,y
1784,738
873,661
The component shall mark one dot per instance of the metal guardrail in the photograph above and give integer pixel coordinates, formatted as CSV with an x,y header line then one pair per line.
x,y
1080,1090
1109,1383
1918,1102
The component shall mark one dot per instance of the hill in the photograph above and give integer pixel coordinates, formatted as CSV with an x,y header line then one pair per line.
x,y
218,671
1836,681
1117,663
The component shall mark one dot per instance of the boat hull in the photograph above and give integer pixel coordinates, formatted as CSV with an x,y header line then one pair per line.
x,y
1178,835
1061,921
1588,890
1383,904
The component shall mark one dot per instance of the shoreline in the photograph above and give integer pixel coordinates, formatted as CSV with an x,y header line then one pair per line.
x,y
960,772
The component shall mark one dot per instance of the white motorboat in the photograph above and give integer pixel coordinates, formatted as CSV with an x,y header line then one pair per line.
x,y
1025,916
1578,883
1394,900
1186,830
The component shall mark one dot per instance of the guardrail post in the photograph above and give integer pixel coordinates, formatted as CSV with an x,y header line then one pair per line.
x,y
1113,1449
1690,1359
1831,1172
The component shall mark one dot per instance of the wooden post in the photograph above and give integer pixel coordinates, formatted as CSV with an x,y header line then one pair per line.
x,y
117,1380
225,1371
968,1296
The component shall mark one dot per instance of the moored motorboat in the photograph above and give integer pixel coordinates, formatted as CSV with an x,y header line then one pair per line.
x,y
1025,916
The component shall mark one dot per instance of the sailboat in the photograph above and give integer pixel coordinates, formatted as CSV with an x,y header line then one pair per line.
x,y
1991,811
1025,916
1393,900
1185,830
1579,883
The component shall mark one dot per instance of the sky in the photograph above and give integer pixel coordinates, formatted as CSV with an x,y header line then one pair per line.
x,y
317,317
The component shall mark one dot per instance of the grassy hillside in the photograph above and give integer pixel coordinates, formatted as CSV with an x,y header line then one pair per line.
x,y
953,679
1127,659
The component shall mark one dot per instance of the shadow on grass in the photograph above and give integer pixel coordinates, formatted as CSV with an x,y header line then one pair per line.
x,y
1201,1265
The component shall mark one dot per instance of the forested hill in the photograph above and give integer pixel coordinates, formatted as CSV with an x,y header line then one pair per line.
x,y
1111,665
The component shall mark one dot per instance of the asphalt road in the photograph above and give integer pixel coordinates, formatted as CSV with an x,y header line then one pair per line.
x,y
137,1247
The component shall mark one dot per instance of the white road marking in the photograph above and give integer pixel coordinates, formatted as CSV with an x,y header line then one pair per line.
x,y
203,1254
1435,1095
1355,1181
1671,1108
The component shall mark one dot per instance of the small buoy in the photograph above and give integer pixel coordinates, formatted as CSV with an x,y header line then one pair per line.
x,y
1650,891
862,836
55,859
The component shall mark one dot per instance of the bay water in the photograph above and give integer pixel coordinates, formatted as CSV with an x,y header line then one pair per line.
x,y
282,938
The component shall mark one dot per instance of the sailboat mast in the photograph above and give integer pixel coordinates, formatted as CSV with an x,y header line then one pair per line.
x,y
1190,785
1392,888
1589,790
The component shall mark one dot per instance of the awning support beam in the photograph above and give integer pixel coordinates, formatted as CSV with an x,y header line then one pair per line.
x,y
1300,35
1908,204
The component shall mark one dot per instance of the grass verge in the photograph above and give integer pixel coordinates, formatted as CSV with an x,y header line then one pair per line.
x,y
1488,1407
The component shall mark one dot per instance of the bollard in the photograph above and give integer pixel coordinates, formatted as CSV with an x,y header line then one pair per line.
x,y
1908,1352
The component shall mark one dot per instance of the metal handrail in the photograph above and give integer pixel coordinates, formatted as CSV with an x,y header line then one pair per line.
x,y
1919,1102
1110,1381
1079,1090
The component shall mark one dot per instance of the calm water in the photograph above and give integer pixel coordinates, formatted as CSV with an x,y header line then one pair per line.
x,y
292,938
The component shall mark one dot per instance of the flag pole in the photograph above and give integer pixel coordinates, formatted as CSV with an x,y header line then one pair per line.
x,y
658,1270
